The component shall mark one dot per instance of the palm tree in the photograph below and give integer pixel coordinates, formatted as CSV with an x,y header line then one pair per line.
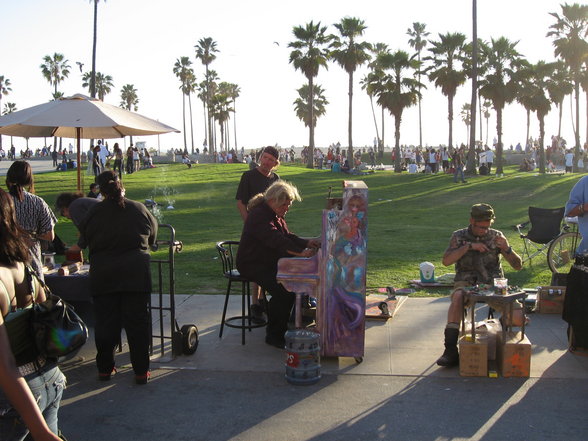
x,y
189,89
541,75
55,69
183,71
103,83
221,112
418,41
302,104
308,56
8,108
349,54
224,93
466,117
486,106
201,89
559,86
399,91
5,89
205,52
447,70
371,83
525,92
94,40
500,82
234,92
473,74
569,32
129,99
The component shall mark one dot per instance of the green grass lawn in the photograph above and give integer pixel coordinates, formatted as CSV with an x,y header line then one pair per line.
x,y
411,217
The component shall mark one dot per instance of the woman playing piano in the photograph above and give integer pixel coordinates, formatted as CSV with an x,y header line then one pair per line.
x,y
266,239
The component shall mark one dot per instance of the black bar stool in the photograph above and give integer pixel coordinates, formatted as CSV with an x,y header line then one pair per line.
x,y
227,250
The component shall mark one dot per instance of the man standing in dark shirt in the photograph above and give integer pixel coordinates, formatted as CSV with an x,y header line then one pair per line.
x,y
253,182
257,180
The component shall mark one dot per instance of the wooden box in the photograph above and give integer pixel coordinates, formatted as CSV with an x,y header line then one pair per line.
x,y
514,355
473,357
550,299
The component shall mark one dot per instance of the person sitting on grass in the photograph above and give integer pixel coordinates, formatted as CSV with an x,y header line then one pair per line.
x,y
265,240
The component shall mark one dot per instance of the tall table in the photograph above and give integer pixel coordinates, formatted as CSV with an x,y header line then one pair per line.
x,y
489,295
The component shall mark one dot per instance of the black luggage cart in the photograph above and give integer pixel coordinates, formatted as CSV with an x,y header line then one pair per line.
x,y
184,340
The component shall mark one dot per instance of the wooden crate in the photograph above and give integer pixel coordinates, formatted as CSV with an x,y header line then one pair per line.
x,y
473,357
514,355
550,299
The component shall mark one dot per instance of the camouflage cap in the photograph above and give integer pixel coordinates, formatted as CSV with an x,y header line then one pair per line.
x,y
482,212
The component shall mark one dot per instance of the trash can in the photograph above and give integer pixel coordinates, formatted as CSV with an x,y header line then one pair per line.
x,y
302,357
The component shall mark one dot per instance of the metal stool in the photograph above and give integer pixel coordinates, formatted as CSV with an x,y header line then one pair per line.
x,y
230,272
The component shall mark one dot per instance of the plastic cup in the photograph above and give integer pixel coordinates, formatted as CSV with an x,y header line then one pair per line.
x,y
500,285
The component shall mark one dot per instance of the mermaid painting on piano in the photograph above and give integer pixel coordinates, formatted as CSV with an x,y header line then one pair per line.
x,y
266,239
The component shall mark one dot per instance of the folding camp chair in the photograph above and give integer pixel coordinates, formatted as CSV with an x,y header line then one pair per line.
x,y
546,225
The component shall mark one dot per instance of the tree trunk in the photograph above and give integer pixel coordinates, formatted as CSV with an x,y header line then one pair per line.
x,y
310,156
205,126
397,120
376,126
560,105
191,121
184,121
541,119
577,131
93,74
350,120
471,162
499,145
382,143
235,123
528,123
450,119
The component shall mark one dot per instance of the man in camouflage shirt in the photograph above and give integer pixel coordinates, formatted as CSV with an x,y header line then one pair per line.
x,y
476,252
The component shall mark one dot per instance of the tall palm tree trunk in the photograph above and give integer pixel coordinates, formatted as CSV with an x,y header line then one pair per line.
x,y
450,119
541,143
471,161
310,158
93,75
349,121
184,121
235,124
499,145
205,126
577,131
382,144
191,121
528,124
397,120
560,105
375,124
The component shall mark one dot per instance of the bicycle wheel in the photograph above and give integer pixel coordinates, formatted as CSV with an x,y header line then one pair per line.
x,y
560,256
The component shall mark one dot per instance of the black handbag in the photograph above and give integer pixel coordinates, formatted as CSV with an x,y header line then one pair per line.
x,y
57,329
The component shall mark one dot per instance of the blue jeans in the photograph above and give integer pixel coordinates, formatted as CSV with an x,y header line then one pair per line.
x,y
47,387
458,171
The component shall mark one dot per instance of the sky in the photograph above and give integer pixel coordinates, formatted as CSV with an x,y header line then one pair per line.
x,y
140,40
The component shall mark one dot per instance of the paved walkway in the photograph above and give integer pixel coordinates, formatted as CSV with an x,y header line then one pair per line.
x,y
38,166
226,391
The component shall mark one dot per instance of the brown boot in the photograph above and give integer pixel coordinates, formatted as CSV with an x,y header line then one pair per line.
x,y
450,356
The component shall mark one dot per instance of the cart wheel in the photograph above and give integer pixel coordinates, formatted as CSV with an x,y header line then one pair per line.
x,y
189,339
358,359
383,306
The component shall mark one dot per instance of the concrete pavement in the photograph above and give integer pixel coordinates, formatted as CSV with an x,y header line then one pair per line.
x,y
226,391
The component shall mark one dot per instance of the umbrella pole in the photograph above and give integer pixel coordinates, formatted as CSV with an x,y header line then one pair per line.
x,y
79,158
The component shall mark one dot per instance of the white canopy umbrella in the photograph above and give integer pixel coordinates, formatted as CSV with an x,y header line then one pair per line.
x,y
79,117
